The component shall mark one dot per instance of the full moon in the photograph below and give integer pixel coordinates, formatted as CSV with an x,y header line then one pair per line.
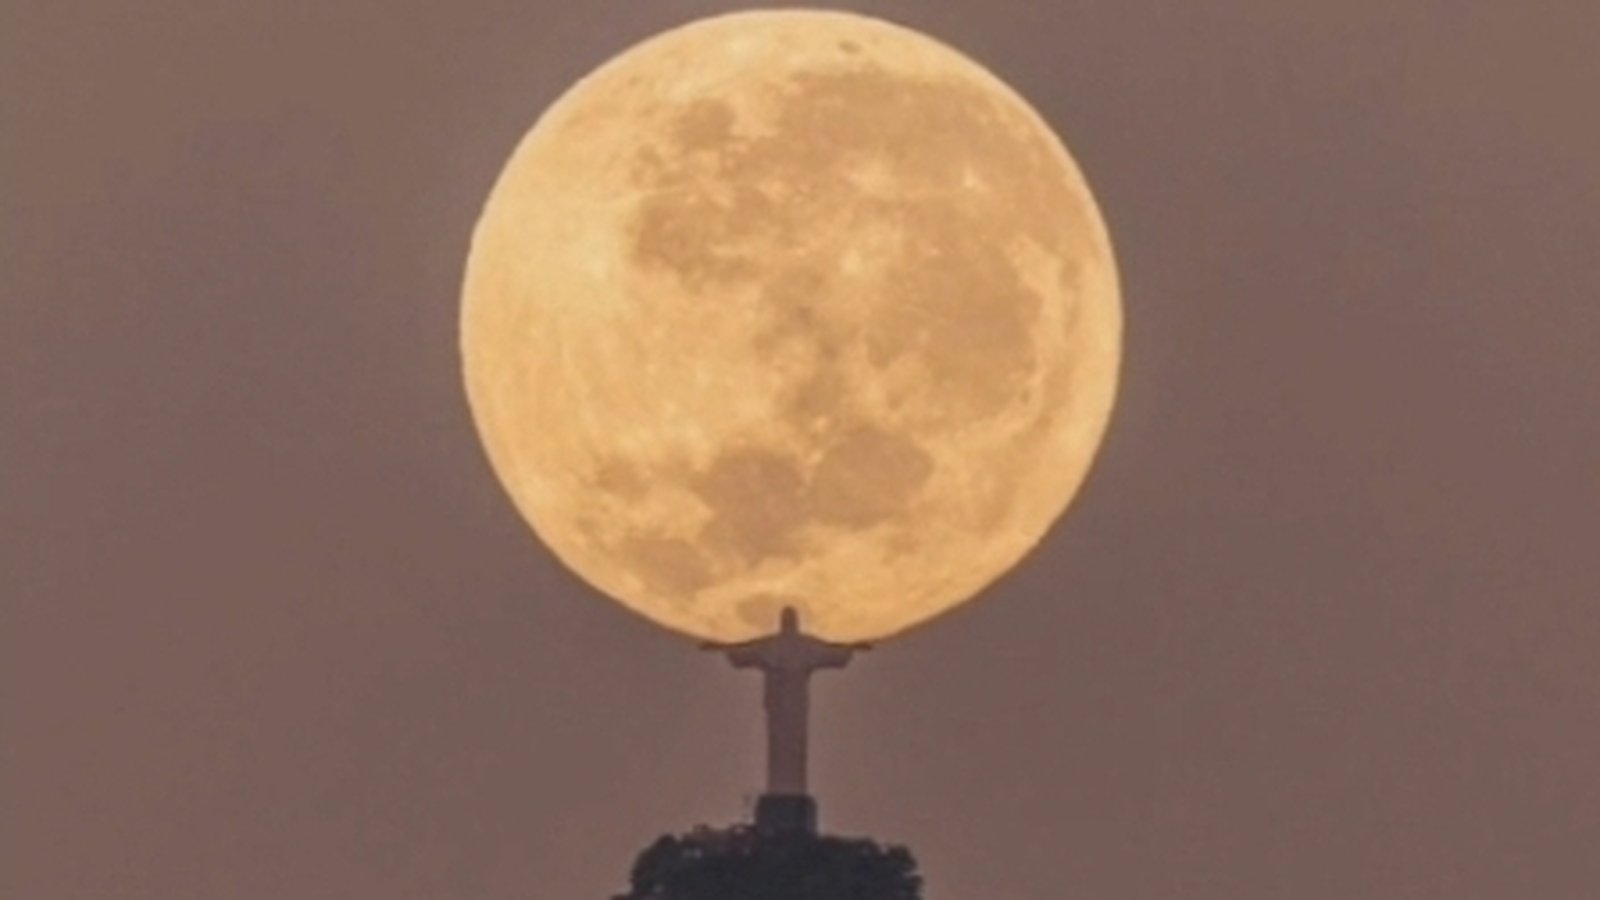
x,y
791,309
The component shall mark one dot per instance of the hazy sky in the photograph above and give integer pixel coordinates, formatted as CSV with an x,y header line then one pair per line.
x,y
1323,626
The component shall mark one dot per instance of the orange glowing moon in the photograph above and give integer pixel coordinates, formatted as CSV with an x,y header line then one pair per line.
x,y
791,308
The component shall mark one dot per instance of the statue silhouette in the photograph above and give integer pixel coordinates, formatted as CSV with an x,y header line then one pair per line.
x,y
787,659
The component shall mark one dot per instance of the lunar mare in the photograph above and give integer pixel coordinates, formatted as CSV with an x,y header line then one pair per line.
x,y
791,308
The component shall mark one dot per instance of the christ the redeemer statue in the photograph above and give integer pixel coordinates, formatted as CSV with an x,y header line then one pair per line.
x,y
787,659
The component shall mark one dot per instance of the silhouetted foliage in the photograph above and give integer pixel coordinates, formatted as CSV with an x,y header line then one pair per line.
x,y
743,864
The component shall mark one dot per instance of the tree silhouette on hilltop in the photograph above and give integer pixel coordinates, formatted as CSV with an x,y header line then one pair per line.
x,y
744,864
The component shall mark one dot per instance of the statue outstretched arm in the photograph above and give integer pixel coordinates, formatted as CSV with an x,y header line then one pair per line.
x,y
743,654
835,656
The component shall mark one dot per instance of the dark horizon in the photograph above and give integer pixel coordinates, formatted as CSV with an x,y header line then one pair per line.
x,y
1322,624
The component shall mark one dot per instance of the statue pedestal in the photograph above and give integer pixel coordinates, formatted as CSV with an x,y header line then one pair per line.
x,y
786,814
